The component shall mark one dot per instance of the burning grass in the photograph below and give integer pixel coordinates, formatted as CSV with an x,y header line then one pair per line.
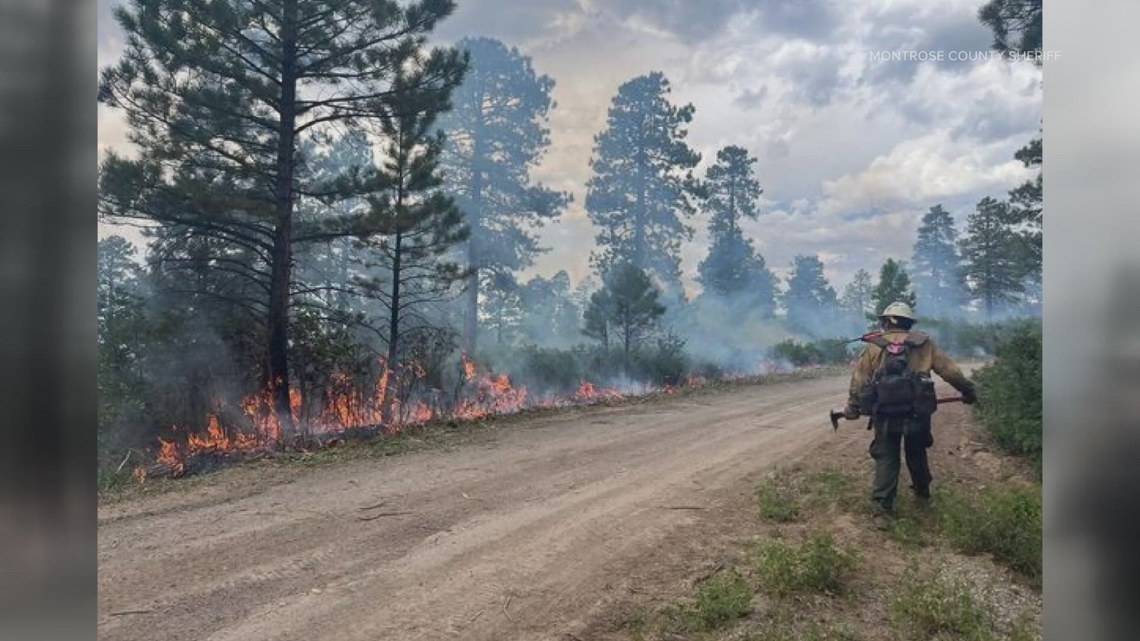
x,y
345,413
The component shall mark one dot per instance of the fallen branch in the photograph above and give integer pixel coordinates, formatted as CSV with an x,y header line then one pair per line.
x,y
125,459
371,507
380,514
682,507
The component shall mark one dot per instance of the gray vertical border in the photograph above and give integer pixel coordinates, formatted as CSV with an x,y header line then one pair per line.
x,y
1092,320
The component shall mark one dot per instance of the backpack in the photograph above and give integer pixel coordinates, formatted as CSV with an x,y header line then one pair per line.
x,y
895,391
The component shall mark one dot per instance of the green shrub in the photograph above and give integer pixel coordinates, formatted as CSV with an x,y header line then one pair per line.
x,y
723,598
939,608
554,371
1005,522
1010,393
817,565
820,352
662,363
834,487
777,503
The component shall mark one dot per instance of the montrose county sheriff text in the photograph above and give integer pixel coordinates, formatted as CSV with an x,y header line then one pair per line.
x,y
964,56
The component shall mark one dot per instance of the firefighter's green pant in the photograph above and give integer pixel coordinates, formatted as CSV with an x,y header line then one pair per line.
x,y
893,439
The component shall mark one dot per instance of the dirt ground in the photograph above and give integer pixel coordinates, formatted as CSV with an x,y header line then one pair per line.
x,y
547,528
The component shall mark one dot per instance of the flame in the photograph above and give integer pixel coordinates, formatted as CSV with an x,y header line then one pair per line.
x,y
345,404
468,367
489,394
589,393
170,456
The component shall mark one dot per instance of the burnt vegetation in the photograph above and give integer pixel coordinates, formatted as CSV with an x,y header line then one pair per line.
x,y
335,225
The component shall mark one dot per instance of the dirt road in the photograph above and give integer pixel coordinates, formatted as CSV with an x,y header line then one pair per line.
x,y
520,536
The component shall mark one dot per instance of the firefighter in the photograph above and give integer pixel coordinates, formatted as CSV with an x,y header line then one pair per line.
x,y
901,424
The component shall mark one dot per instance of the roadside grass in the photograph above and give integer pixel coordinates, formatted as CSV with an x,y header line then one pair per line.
x,y
790,494
717,602
1002,521
798,582
938,607
816,565
777,502
782,627
775,569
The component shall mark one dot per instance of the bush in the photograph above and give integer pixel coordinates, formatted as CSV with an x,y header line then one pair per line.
x,y
723,598
552,370
820,352
664,363
815,566
777,503
1010,393
1005,522
939,608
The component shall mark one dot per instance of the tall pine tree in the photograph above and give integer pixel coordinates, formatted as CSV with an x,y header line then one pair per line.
x,y
220,95
989,257
810,300
418,224
732,267
496,134
858,298
642,182
935,263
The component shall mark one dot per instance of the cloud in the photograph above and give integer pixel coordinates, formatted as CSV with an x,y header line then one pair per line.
x,y
750,98
814,20
516,23
687,21
920,172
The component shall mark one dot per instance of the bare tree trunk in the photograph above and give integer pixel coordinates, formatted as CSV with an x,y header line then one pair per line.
x,y
392,364
471,315
277,372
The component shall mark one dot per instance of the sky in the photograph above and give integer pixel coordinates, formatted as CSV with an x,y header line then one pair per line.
x,y
854,141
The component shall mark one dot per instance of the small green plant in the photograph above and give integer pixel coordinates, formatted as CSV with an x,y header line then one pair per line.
x,y
777,503
724,597
1005,522
815,566
833,487
939,608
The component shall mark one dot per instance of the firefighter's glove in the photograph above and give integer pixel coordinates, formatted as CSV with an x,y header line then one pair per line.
x,y
969,397
851,412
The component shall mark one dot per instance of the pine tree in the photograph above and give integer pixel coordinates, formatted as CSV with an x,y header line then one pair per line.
x,y
990,262
497,134
858,296
1026,210
220,95
1016,25
417,224
732,267
810,300
642,182
628,308
936,265
893,286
